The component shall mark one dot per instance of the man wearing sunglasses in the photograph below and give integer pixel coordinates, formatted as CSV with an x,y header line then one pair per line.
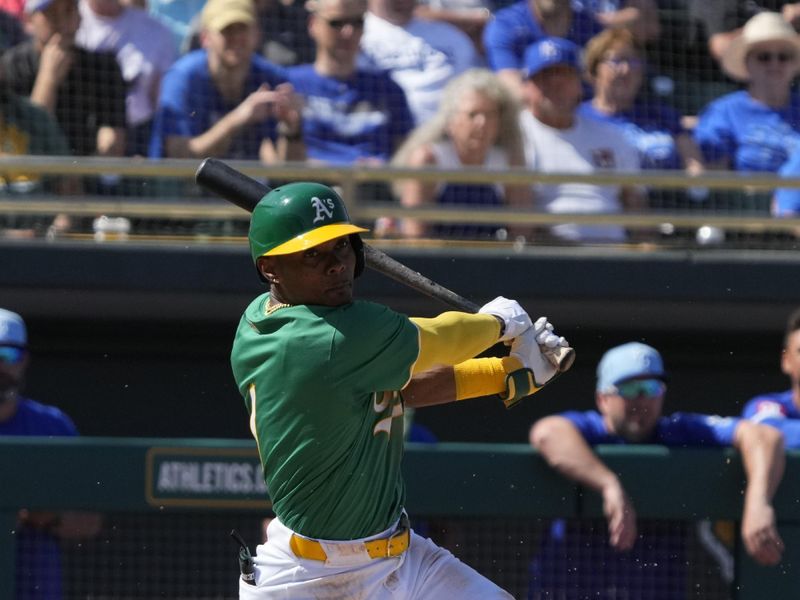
x,y
38,532
350,115
631,385
20,415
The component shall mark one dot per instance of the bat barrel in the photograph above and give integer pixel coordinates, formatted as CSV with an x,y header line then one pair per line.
x,y
225,181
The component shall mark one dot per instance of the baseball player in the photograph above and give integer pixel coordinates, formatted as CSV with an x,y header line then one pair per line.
x,y
326,379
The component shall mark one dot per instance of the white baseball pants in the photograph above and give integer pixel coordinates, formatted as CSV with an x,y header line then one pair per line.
x,y
423,572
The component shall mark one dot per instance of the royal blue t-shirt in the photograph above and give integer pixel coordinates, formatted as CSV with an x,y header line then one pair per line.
x,y
778,410
38,573
787,200
649,126
514,28
34,418
677,429
752,135
189,104
575,558
365,116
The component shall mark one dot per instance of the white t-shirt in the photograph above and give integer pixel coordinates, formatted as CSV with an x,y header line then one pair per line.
x,y
584,148
144,49
421,57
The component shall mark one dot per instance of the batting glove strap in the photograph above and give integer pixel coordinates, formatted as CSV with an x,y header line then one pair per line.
x,y
519,384
529,354
514,317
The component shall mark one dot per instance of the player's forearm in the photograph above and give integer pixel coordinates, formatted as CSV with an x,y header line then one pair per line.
x,y
763,456
435,386
473,378
565,449
762,451
453,337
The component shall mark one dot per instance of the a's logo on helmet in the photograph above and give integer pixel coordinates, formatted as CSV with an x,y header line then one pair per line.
x,y
324,208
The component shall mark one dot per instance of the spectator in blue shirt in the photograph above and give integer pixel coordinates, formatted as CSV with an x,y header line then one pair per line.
x,y
631,384
615,65
786,201
516,27
756,129
782,409
350,115
38,532
225,100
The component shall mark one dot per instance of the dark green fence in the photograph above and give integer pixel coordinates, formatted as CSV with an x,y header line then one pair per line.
x,y
459,481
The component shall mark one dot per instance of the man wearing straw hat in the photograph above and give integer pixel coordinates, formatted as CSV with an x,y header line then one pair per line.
x,y
757,128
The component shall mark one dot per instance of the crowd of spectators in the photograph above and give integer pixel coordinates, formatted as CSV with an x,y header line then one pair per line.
x,y
346,82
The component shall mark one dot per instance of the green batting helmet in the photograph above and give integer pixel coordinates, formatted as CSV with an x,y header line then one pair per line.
x,y
297,216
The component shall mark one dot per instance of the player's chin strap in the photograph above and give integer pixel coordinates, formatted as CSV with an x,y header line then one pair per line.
x,y
521,384
246,566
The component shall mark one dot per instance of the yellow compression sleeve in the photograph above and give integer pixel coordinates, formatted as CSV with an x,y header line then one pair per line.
x,y
453,337
483,376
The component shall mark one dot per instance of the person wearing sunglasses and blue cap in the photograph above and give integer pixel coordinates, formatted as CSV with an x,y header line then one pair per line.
x,y
631,386
20,415
38,533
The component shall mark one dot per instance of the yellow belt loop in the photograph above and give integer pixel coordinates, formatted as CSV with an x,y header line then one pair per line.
x,y
306,548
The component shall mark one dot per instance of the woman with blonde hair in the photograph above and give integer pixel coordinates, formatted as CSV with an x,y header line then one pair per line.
x,y
476,126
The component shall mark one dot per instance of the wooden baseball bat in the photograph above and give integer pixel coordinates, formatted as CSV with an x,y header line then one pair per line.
x,y
245,192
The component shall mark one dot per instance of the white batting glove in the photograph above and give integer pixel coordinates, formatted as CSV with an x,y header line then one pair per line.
x,y
514,317
545,336
526,349
535,349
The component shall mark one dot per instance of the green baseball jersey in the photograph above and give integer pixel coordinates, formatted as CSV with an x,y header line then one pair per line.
x,y
321,384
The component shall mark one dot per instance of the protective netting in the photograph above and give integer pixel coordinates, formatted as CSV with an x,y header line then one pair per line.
x,y
182,555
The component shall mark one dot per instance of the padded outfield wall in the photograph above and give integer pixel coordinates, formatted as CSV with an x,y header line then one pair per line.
x,y
169,504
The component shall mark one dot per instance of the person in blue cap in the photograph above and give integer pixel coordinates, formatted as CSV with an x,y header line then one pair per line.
x,y
558,139
631,386
38,555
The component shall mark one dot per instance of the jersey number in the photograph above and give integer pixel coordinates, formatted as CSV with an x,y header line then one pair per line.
x,y
381,401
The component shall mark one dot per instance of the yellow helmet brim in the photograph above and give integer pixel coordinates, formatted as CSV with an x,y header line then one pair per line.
x,y
315,237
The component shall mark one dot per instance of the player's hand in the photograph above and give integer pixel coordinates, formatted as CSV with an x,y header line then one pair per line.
x,y
513,316
550,343
760,534
530,350
546,337
621,517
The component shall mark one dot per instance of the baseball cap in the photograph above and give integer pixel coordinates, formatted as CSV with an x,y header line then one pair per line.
x,y
629,361
12,329
218,14
548,52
